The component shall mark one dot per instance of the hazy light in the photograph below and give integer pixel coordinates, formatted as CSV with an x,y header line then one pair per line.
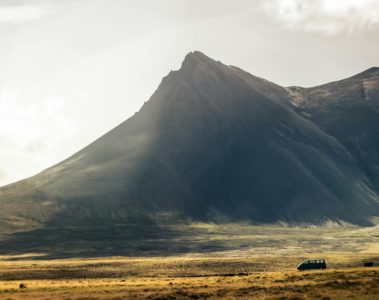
x,y
72,70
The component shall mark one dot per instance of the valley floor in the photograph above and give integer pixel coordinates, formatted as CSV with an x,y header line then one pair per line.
x,y
266,277
202,262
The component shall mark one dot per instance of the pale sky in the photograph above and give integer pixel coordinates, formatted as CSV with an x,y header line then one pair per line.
x,y
71,70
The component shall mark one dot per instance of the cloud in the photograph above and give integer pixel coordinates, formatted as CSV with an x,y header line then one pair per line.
x,y
22,13
328,17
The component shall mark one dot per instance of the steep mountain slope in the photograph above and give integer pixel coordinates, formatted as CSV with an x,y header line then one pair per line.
x,y
349,111
212,143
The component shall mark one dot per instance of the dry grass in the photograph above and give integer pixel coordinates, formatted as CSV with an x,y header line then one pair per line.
x,y
185,278
255,263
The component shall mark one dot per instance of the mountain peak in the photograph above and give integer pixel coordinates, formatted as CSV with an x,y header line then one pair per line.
x,y
197,55
196,58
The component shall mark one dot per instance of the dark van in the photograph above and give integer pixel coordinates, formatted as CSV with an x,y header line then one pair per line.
x,y
312,264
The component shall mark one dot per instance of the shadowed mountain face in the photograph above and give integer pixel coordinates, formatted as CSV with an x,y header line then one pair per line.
x,y
349,111
215,143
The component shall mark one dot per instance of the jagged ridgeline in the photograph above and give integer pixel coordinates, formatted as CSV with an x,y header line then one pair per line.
x,y
215,143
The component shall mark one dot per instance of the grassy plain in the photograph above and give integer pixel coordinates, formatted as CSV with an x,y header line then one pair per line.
x,y
252,263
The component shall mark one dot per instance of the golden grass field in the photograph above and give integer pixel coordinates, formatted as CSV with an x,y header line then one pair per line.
x,y
183,278
250,271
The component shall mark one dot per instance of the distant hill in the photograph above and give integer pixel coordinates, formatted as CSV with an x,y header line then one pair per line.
x,y
215,143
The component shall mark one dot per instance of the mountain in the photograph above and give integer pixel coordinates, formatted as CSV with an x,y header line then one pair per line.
x,y
349,111
215,143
